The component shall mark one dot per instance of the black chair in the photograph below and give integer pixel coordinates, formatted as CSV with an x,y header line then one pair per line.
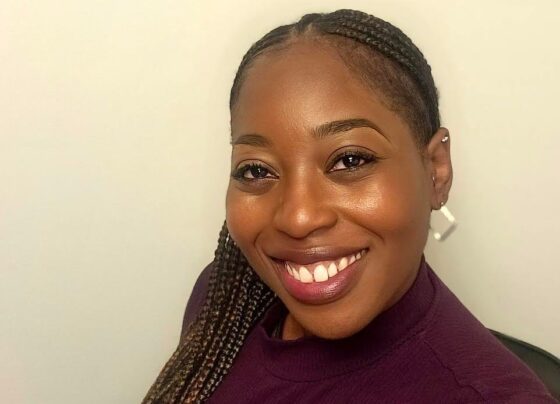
x,y
545,365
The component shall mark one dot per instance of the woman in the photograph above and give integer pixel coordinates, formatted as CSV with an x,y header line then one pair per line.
x,y
319,291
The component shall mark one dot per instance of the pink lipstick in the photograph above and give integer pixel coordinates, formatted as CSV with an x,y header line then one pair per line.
x,y
320,282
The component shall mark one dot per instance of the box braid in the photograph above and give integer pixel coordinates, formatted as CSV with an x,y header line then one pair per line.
x,y
236,297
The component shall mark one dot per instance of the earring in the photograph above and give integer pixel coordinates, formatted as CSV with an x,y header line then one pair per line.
x,y
445,139
442,224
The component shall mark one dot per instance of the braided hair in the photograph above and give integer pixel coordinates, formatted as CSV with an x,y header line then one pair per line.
x,y
384,58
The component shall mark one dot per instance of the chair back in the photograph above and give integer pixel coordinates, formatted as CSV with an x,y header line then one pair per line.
x,y
544,364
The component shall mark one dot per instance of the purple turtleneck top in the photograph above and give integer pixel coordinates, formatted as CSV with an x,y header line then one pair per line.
x,y
427,348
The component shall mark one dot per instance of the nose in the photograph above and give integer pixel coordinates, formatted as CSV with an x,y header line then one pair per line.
x,y
303,208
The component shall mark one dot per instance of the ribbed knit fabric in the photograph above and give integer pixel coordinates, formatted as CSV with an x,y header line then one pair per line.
x,y
427,348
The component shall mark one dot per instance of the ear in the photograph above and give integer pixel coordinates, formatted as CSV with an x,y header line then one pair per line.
x,y
439,167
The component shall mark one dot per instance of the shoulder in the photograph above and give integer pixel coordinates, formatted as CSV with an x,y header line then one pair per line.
x,y
477,359
197,297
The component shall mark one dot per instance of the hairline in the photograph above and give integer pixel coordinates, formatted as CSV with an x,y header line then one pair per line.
x,y
335,42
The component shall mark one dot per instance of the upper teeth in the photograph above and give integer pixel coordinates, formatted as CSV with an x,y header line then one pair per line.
x,y
323,270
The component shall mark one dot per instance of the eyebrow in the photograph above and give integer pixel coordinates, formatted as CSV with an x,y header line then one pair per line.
x,y
251,139
344,125
320,132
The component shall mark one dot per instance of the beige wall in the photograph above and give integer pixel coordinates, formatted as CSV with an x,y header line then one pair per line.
x,y
114,159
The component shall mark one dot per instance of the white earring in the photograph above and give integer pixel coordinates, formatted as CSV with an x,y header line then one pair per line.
x,y
442,224
445,139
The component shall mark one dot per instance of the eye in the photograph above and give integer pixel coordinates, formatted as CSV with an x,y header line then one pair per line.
x,y
252,172
351,160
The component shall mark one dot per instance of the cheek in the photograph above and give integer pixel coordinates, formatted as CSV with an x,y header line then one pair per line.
x,y
395,205
246,216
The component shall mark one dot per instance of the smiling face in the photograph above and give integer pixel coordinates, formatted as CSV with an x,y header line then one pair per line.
x,y
330,196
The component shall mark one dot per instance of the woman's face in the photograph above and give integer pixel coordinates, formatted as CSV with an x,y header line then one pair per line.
x,y
330,196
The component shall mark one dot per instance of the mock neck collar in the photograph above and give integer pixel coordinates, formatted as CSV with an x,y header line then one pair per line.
x,y
314,358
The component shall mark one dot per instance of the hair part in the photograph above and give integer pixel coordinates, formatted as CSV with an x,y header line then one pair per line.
x,y
384,58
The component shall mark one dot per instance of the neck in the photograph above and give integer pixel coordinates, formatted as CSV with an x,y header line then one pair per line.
x,y
292,329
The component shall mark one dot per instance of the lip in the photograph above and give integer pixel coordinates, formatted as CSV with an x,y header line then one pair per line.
x,y
320,292
313,254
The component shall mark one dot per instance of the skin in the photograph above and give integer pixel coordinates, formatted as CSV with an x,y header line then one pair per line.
x,y
308,198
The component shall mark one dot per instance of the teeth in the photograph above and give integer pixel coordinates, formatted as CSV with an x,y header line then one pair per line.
x,y
332,271
343,264
321,272
305,275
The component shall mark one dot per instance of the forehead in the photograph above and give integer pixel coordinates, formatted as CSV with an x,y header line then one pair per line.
x,y
301,87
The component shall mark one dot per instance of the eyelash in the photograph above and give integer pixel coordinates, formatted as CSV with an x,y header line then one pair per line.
x,y
239,174
367,158
362,155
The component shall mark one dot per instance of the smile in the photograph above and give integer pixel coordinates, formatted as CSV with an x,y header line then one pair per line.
x,y
321,271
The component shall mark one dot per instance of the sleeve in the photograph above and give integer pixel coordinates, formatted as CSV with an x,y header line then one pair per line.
x,y
197,297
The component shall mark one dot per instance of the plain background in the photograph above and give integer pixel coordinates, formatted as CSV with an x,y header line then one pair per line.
x,y
114,160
